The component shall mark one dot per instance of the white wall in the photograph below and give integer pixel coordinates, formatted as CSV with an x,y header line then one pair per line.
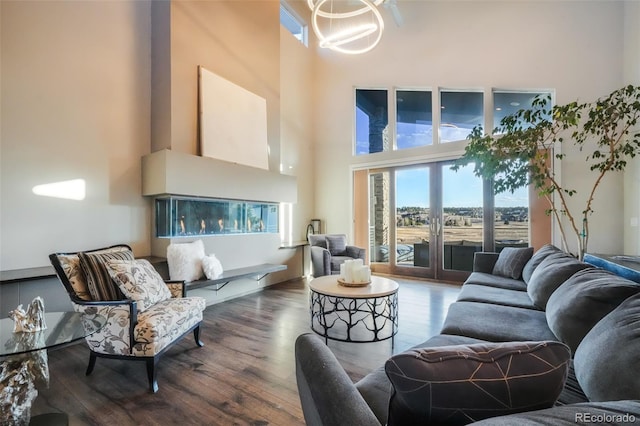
x,y
476,45
632,174
297,126
75,104
224,38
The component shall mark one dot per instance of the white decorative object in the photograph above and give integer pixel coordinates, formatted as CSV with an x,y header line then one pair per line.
x,y
185,260
212,267
225,110
354,272
30,321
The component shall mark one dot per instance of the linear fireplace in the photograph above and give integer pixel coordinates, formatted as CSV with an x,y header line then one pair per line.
x,y
197,216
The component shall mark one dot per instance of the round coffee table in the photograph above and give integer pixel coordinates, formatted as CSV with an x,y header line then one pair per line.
x,y
354,314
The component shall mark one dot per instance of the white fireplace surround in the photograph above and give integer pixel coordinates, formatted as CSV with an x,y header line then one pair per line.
x,y
168,172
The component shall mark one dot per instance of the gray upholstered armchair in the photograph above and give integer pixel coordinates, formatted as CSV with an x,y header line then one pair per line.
x,y
329,251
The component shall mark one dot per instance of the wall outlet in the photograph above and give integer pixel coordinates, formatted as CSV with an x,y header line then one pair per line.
x,y
634,222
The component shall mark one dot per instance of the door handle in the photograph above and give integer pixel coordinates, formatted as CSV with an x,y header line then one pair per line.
x,y
434,227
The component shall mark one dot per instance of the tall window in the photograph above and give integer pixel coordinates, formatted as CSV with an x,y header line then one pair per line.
x,y
294,23
460,112
512,215
414,119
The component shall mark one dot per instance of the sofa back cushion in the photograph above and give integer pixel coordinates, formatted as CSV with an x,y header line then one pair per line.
x,y
318,240
535,260
511,261
101,285
337,244
554,270
185,260
606,361
70,264
464,383
139,281
583,300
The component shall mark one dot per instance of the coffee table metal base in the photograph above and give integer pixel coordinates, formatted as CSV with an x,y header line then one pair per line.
x,y
357,320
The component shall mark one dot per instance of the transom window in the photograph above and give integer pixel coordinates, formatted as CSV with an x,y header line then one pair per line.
x,y
460,112
457,112
507,102
294,23
414,118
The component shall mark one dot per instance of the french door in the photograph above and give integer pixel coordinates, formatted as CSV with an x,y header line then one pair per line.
x,y
425,220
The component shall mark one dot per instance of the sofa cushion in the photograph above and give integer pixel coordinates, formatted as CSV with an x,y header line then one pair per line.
x,y
497,281
610,412
535,260
327,394
572,392
554,270
139,281
496,323
337,245
185,260
71,266
318,240
212,267
376,388
164,322
496,296
100,284
463,383
511,261
583,300
607,361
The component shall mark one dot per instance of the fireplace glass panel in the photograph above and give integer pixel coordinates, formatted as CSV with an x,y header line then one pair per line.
x,y
185,217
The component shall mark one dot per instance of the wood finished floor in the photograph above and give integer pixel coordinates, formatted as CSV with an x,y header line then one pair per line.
x,y
244,375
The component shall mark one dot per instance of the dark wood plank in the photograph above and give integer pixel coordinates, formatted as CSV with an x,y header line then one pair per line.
x,y
245,373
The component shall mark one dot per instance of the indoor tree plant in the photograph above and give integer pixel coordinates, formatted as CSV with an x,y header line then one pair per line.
x,y
520,150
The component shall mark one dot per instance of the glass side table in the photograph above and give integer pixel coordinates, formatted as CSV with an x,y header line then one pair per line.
x,y
23,363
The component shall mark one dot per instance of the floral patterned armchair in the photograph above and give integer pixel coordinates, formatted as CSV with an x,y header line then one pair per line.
x,y
145,315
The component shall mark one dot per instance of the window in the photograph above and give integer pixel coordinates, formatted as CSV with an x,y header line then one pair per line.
x,y
506,102
457,110
294,23
414,124
372,120
459,113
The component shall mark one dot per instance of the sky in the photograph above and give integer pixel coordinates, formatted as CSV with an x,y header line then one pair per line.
x,y
461,189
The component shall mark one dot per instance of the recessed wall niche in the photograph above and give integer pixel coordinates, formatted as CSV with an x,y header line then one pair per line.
x,y
194,216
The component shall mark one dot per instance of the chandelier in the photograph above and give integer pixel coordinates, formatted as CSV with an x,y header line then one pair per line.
x,y
347,26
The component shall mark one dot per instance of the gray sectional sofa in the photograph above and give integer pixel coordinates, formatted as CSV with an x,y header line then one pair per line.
x,y
533,339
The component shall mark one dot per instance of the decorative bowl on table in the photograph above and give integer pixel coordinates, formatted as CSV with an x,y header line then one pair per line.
x,y
345,283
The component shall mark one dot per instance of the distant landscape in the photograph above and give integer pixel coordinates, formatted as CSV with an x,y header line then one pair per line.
x,y
465,223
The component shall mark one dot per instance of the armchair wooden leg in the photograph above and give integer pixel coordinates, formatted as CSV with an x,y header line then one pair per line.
x,y
196,335
151,374
92,363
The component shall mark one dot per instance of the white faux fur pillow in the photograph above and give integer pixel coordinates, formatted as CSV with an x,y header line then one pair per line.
x,y
212,266
185,260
